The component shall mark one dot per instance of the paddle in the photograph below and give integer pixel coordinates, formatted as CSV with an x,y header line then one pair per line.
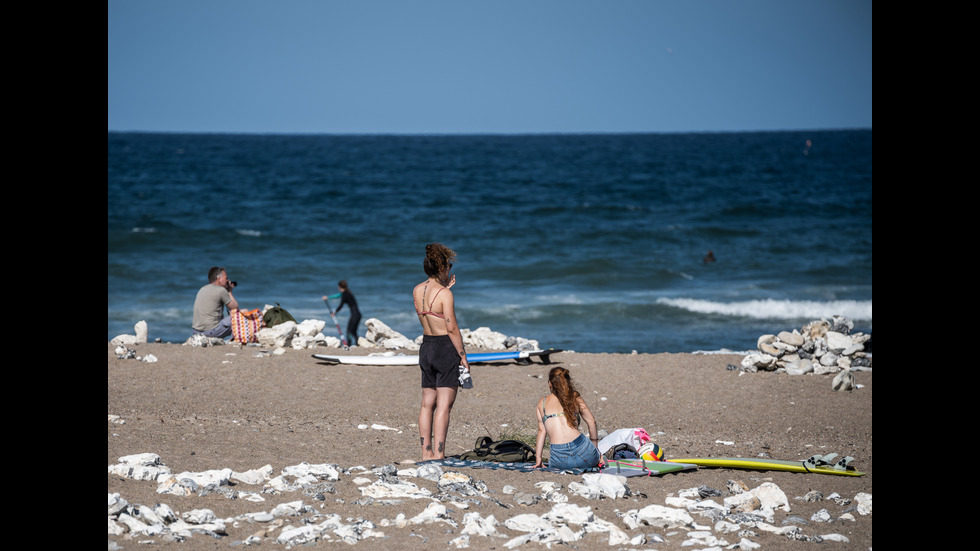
x,y
343,338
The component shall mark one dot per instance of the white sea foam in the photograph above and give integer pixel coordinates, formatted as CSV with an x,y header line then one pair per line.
x,y
857,310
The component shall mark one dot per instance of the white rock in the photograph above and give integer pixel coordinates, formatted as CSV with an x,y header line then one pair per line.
x,y
290,509
385,490
703,539
864,503
474,524
609,485
800,366
434,512
144,459
726,527
839,538
679,502
141,331
310,328
216,477
791,338
770,496
659,516
115,529
116,504
584,490
199,516
299,536
759,361
332,342
150,516
321,471
708,505
822,515
254,476
379,334
430,472
527,522
746,544
780,530
299,342
550,491
484,338
277,336
843,381
567,513
838,341
124,340
140,472
134,525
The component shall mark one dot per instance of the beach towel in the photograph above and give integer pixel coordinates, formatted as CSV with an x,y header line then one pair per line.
x,y
245,325
522,467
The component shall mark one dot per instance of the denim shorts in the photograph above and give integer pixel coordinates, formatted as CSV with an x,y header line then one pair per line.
x,y
580,453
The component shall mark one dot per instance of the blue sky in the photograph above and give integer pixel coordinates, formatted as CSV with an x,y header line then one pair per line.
x,y
503,66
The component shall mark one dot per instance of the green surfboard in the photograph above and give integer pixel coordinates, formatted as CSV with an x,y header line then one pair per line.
x,y
641,467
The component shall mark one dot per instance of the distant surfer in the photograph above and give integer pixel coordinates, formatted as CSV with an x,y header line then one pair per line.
x,y
442,352
346,297
559,414
210,303
710,257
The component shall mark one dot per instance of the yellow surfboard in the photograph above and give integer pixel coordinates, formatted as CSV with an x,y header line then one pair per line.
x,y
759,464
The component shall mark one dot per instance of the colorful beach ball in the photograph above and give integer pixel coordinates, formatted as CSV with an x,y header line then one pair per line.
x,y
651,452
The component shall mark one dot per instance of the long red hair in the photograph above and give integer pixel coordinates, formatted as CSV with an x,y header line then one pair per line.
x,y
563,389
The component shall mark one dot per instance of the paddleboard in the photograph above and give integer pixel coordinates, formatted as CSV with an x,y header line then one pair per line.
x,y
522,356
759,464
640,467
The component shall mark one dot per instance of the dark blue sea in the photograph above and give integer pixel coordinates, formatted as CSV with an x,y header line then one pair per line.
x,y
593,243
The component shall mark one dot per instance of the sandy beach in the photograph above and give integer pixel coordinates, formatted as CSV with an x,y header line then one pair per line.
x,y
240,408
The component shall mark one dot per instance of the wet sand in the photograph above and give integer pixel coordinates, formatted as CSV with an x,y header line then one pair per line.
x,y
230,407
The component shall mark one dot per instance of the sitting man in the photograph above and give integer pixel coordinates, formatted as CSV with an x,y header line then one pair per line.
x,y
210,303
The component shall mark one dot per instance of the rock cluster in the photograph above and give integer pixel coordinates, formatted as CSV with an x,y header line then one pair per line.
x,y
309,334
701,517
821,346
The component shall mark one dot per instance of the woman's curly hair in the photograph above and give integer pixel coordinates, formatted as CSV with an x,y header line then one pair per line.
x,y
437,259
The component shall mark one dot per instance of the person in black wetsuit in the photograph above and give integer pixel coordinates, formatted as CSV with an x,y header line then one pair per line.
x,y
346,297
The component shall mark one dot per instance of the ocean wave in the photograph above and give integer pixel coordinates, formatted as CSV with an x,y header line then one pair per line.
x,y
856,310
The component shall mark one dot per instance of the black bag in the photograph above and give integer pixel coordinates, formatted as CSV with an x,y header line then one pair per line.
x,y
276,315
621,451
504,451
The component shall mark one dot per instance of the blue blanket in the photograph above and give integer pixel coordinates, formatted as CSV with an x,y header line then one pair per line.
x,y
522,467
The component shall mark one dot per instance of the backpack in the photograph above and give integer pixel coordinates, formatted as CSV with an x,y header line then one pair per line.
x,y
276,315
504,451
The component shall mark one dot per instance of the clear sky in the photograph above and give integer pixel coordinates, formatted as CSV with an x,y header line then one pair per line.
x,y
491,66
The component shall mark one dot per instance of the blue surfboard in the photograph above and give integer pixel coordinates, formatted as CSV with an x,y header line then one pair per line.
x,y
522,356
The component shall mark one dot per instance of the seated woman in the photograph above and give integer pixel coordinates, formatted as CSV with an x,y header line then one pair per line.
x,y
558,419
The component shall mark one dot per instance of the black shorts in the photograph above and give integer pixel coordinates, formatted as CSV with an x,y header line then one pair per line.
x,y
439,362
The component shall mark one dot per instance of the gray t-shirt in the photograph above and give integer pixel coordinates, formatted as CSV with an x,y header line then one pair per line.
x,y
209,306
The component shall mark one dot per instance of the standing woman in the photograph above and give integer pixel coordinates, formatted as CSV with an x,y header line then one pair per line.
x,y
441,352
347,297
569,448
